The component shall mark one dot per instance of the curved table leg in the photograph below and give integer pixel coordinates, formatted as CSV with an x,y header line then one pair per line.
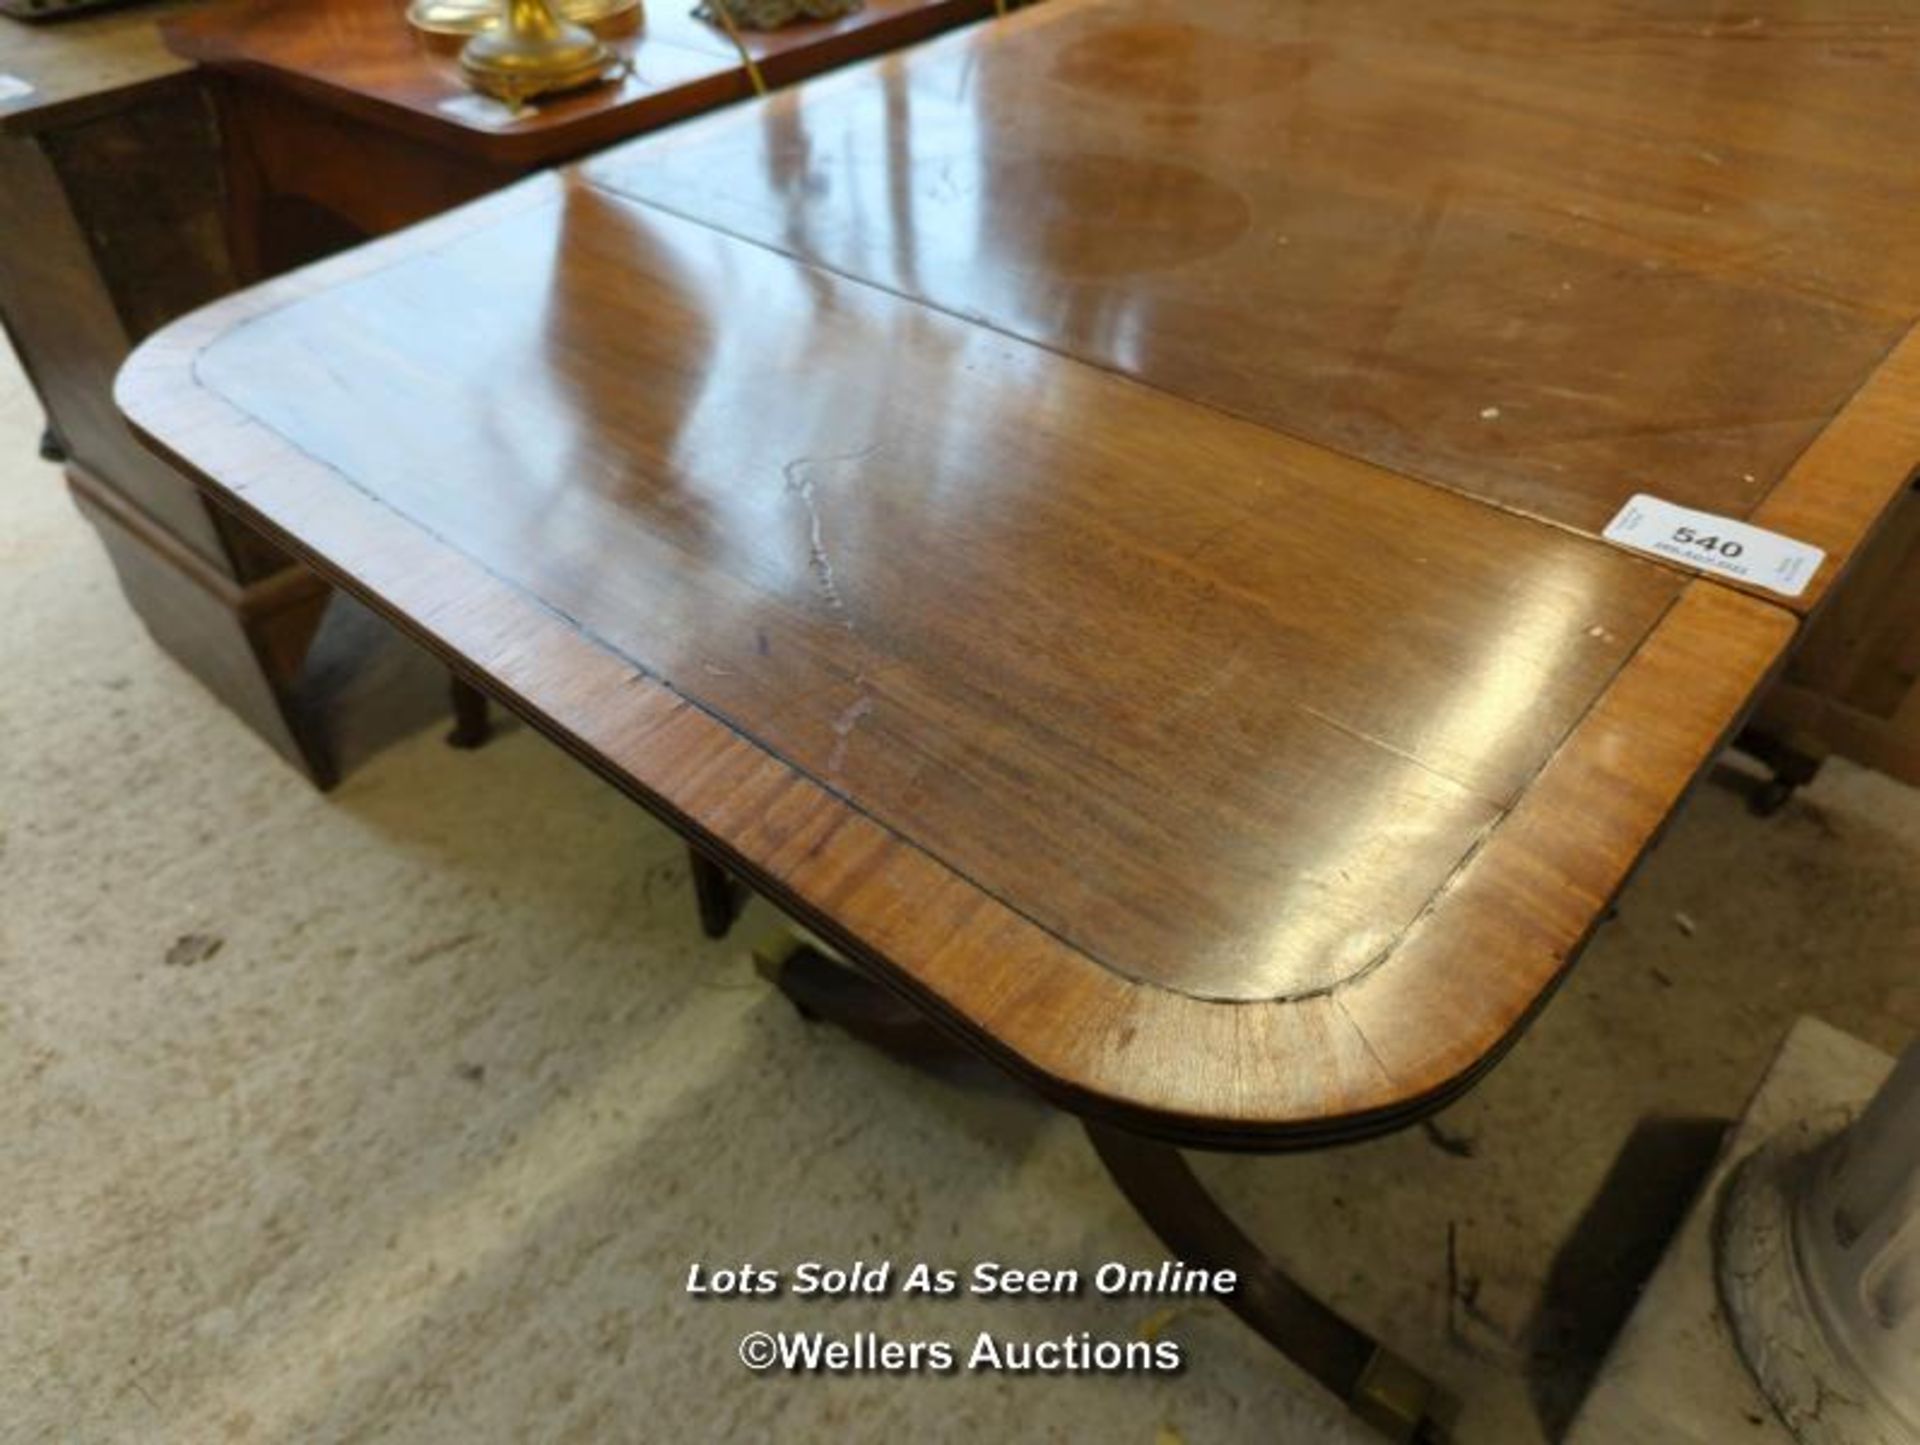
x,y
1381,1388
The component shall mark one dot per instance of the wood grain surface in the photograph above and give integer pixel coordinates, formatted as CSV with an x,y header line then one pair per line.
x,y
1543,256
1129,662
1098,515
1214,781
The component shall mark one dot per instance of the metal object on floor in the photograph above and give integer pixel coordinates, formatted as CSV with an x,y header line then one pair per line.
x,y
1818,1258
1380,1386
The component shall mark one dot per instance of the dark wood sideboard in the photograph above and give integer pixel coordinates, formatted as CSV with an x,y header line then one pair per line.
x,y
161,156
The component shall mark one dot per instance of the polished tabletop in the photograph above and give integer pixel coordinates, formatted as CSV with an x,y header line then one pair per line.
x,y
1547,257
1098,514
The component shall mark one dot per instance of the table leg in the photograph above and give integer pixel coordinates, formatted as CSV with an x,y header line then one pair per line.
x,y
1793,761
471,726
1381,1388
821,988
716,893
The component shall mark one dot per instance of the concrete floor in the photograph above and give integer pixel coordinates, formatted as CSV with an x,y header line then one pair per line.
x,y
400,1114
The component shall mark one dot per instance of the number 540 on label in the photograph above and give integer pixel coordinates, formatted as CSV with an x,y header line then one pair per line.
x,y
1716,544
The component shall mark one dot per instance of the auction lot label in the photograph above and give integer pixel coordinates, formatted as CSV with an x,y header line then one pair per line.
x,y
819,1351
1716,544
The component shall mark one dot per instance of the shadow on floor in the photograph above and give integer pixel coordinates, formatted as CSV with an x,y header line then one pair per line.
x,y
364,686
1599,1272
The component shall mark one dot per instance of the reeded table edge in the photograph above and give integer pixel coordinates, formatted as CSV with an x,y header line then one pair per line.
x,y
1370,1054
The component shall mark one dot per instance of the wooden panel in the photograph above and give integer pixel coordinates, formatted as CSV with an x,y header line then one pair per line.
x,y
114,225
203,619
1213,780
145,183
355,178
1546,256
71,338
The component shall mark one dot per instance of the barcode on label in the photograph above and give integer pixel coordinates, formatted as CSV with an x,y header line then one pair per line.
x,y
1716,544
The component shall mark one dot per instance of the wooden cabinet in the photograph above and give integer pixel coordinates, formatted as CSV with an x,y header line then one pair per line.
x,y
162,156
111,201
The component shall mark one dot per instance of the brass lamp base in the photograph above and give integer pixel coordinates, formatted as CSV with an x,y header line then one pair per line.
x,y
453,17
534,53
470,17
599,15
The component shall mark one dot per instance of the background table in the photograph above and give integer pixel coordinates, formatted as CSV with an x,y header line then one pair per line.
x,y
136,184
347,123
